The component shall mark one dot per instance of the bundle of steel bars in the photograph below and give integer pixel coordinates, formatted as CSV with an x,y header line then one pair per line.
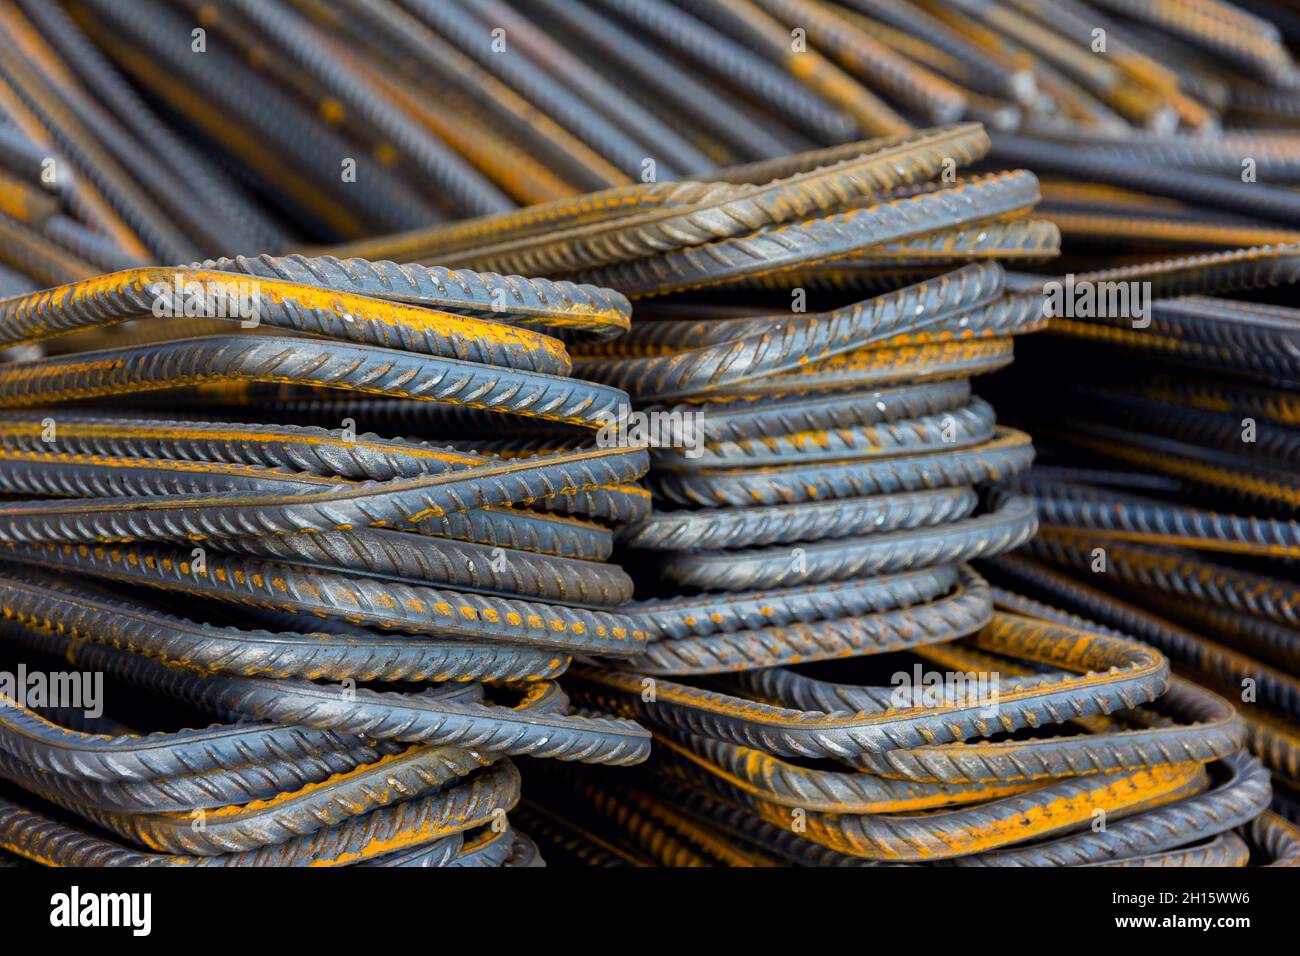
x,y
375,622
377,374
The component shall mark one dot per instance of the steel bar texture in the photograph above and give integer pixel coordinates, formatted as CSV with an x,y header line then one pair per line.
x,y
845,433
377,661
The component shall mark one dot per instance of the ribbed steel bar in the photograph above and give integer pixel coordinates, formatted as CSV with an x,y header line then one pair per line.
x,y
703,451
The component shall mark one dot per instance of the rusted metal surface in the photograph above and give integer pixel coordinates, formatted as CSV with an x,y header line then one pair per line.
x,y
625,348
763,570
386,651
1165,483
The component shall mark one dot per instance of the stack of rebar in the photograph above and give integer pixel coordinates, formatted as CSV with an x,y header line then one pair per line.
x,y
812,537
1163,398
375,623
1168,498
338,337
163,131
